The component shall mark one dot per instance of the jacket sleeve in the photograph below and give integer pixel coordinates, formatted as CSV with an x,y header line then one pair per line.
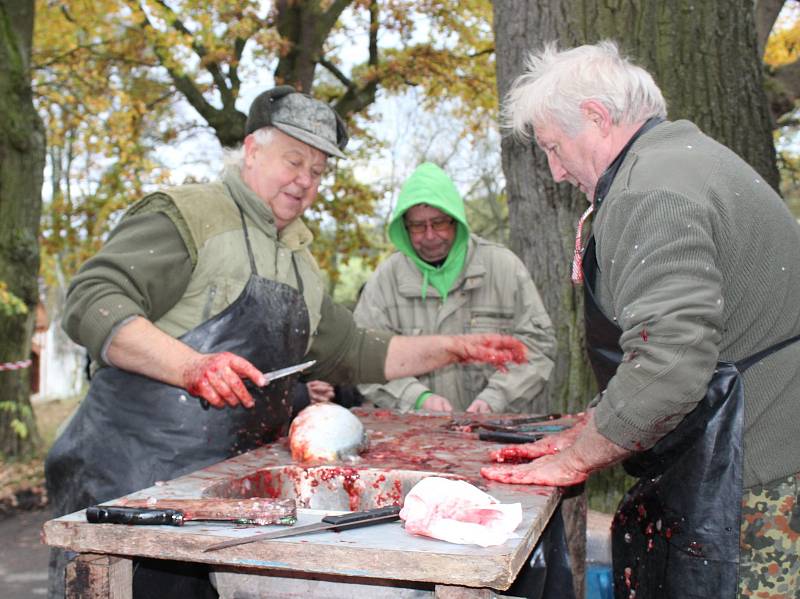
x,y
657,256
372,311
344,352
514,390
142,270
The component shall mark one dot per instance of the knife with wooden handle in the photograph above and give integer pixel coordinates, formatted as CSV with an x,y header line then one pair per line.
x,y
253,511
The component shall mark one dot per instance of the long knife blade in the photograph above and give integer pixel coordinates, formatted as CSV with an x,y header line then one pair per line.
x,y
282,372
350,520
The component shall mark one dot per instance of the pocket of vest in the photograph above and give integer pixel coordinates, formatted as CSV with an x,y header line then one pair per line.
x,y
490,322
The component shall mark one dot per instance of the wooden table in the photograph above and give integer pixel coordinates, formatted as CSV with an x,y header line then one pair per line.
x,y
403,449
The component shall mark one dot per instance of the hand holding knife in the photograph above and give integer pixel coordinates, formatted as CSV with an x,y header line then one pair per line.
x,y
274,375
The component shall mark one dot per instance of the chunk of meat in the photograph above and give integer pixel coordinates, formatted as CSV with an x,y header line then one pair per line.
x,y
458,512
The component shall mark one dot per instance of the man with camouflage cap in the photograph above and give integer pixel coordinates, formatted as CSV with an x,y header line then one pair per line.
x,y
199,288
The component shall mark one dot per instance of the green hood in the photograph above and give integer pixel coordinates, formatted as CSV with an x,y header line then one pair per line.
x,y
430,185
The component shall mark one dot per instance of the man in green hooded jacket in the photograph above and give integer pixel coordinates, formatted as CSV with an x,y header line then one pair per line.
x,y
444,280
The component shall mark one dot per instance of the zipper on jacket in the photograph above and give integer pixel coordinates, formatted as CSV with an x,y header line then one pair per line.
x,y
212,293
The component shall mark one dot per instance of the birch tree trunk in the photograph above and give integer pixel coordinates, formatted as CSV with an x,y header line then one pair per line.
x,y
21,164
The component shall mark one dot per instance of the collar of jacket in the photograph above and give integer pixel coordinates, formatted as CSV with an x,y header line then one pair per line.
x,y
295,235
607,178
471,276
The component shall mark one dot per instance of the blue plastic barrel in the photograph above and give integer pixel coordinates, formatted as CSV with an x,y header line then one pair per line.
x,y
599,581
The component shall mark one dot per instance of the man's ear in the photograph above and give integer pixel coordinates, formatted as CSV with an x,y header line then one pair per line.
x,y
249,147
595,112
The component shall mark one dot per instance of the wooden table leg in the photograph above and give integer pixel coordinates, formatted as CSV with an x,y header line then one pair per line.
x,y
573,510
443,591
91,576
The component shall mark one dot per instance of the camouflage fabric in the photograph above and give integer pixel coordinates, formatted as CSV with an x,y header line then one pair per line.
x,y
769,566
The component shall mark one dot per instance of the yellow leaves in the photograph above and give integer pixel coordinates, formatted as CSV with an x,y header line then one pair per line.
x,y
108,77
783,44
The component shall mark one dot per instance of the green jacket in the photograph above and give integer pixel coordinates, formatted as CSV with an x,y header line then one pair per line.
x,y
481,288
698,262
179,258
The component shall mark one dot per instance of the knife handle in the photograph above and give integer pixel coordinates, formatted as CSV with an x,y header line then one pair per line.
x,y
382,513
508,437
100,514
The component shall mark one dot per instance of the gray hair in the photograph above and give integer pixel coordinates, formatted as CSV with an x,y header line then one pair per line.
x,y
233,158
556,84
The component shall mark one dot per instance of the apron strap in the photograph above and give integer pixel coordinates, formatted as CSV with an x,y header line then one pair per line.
x,y
743,365
297,275
253,268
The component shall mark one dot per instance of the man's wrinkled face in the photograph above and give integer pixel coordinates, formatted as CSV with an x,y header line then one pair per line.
x,y
285,173
431,231
573,159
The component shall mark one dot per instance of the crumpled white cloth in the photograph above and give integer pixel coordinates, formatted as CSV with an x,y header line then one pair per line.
x,y
458,512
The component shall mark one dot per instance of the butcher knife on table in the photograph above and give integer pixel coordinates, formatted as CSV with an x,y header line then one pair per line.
x,y
253,511
350,520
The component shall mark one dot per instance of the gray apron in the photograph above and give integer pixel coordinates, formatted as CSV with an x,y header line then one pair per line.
x,y
676,531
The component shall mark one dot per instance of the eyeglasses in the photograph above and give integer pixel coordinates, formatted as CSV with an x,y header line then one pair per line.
x,y
437,224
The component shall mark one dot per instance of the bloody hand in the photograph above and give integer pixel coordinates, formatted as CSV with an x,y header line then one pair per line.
x,y
494,349
320,391
550,445
217,378
550,470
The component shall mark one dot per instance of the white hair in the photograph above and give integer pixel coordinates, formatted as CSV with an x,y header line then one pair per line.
x,y
556,84
234,157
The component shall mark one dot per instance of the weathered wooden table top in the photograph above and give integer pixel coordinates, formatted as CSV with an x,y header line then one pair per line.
x,y
403,449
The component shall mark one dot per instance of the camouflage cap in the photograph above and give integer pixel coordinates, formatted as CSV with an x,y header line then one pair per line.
x,y
300,116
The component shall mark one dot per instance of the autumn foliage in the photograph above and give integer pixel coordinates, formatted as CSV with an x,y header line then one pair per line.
x,y
117,79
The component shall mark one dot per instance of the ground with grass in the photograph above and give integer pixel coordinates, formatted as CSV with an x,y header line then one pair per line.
x,y
22,481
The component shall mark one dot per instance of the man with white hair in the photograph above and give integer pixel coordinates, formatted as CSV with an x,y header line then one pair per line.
x,y
197,292
691,279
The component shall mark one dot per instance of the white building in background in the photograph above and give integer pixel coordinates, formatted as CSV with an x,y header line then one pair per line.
x,y
61,363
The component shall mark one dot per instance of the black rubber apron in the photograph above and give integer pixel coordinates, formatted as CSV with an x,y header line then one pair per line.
x,y
131,431
676,531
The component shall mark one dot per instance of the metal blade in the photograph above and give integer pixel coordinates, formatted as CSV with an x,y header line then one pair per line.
x,y
282,372
300,530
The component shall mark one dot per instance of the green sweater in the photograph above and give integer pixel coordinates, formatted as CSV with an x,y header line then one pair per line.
x,y
178,258
699,262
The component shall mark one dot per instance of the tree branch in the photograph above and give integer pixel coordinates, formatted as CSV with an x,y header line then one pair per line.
x,y
766,12
784,89
201,51
356,98
336,72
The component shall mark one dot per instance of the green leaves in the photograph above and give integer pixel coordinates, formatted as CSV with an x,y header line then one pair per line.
x,y
10,304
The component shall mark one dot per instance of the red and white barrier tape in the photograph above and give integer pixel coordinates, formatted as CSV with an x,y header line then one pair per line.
x,y
15,365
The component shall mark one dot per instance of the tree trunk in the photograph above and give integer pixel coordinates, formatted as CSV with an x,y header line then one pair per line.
x,y
21,164
543,214
705,58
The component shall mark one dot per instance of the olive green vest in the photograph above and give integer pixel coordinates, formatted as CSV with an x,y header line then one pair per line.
x,y
222,267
